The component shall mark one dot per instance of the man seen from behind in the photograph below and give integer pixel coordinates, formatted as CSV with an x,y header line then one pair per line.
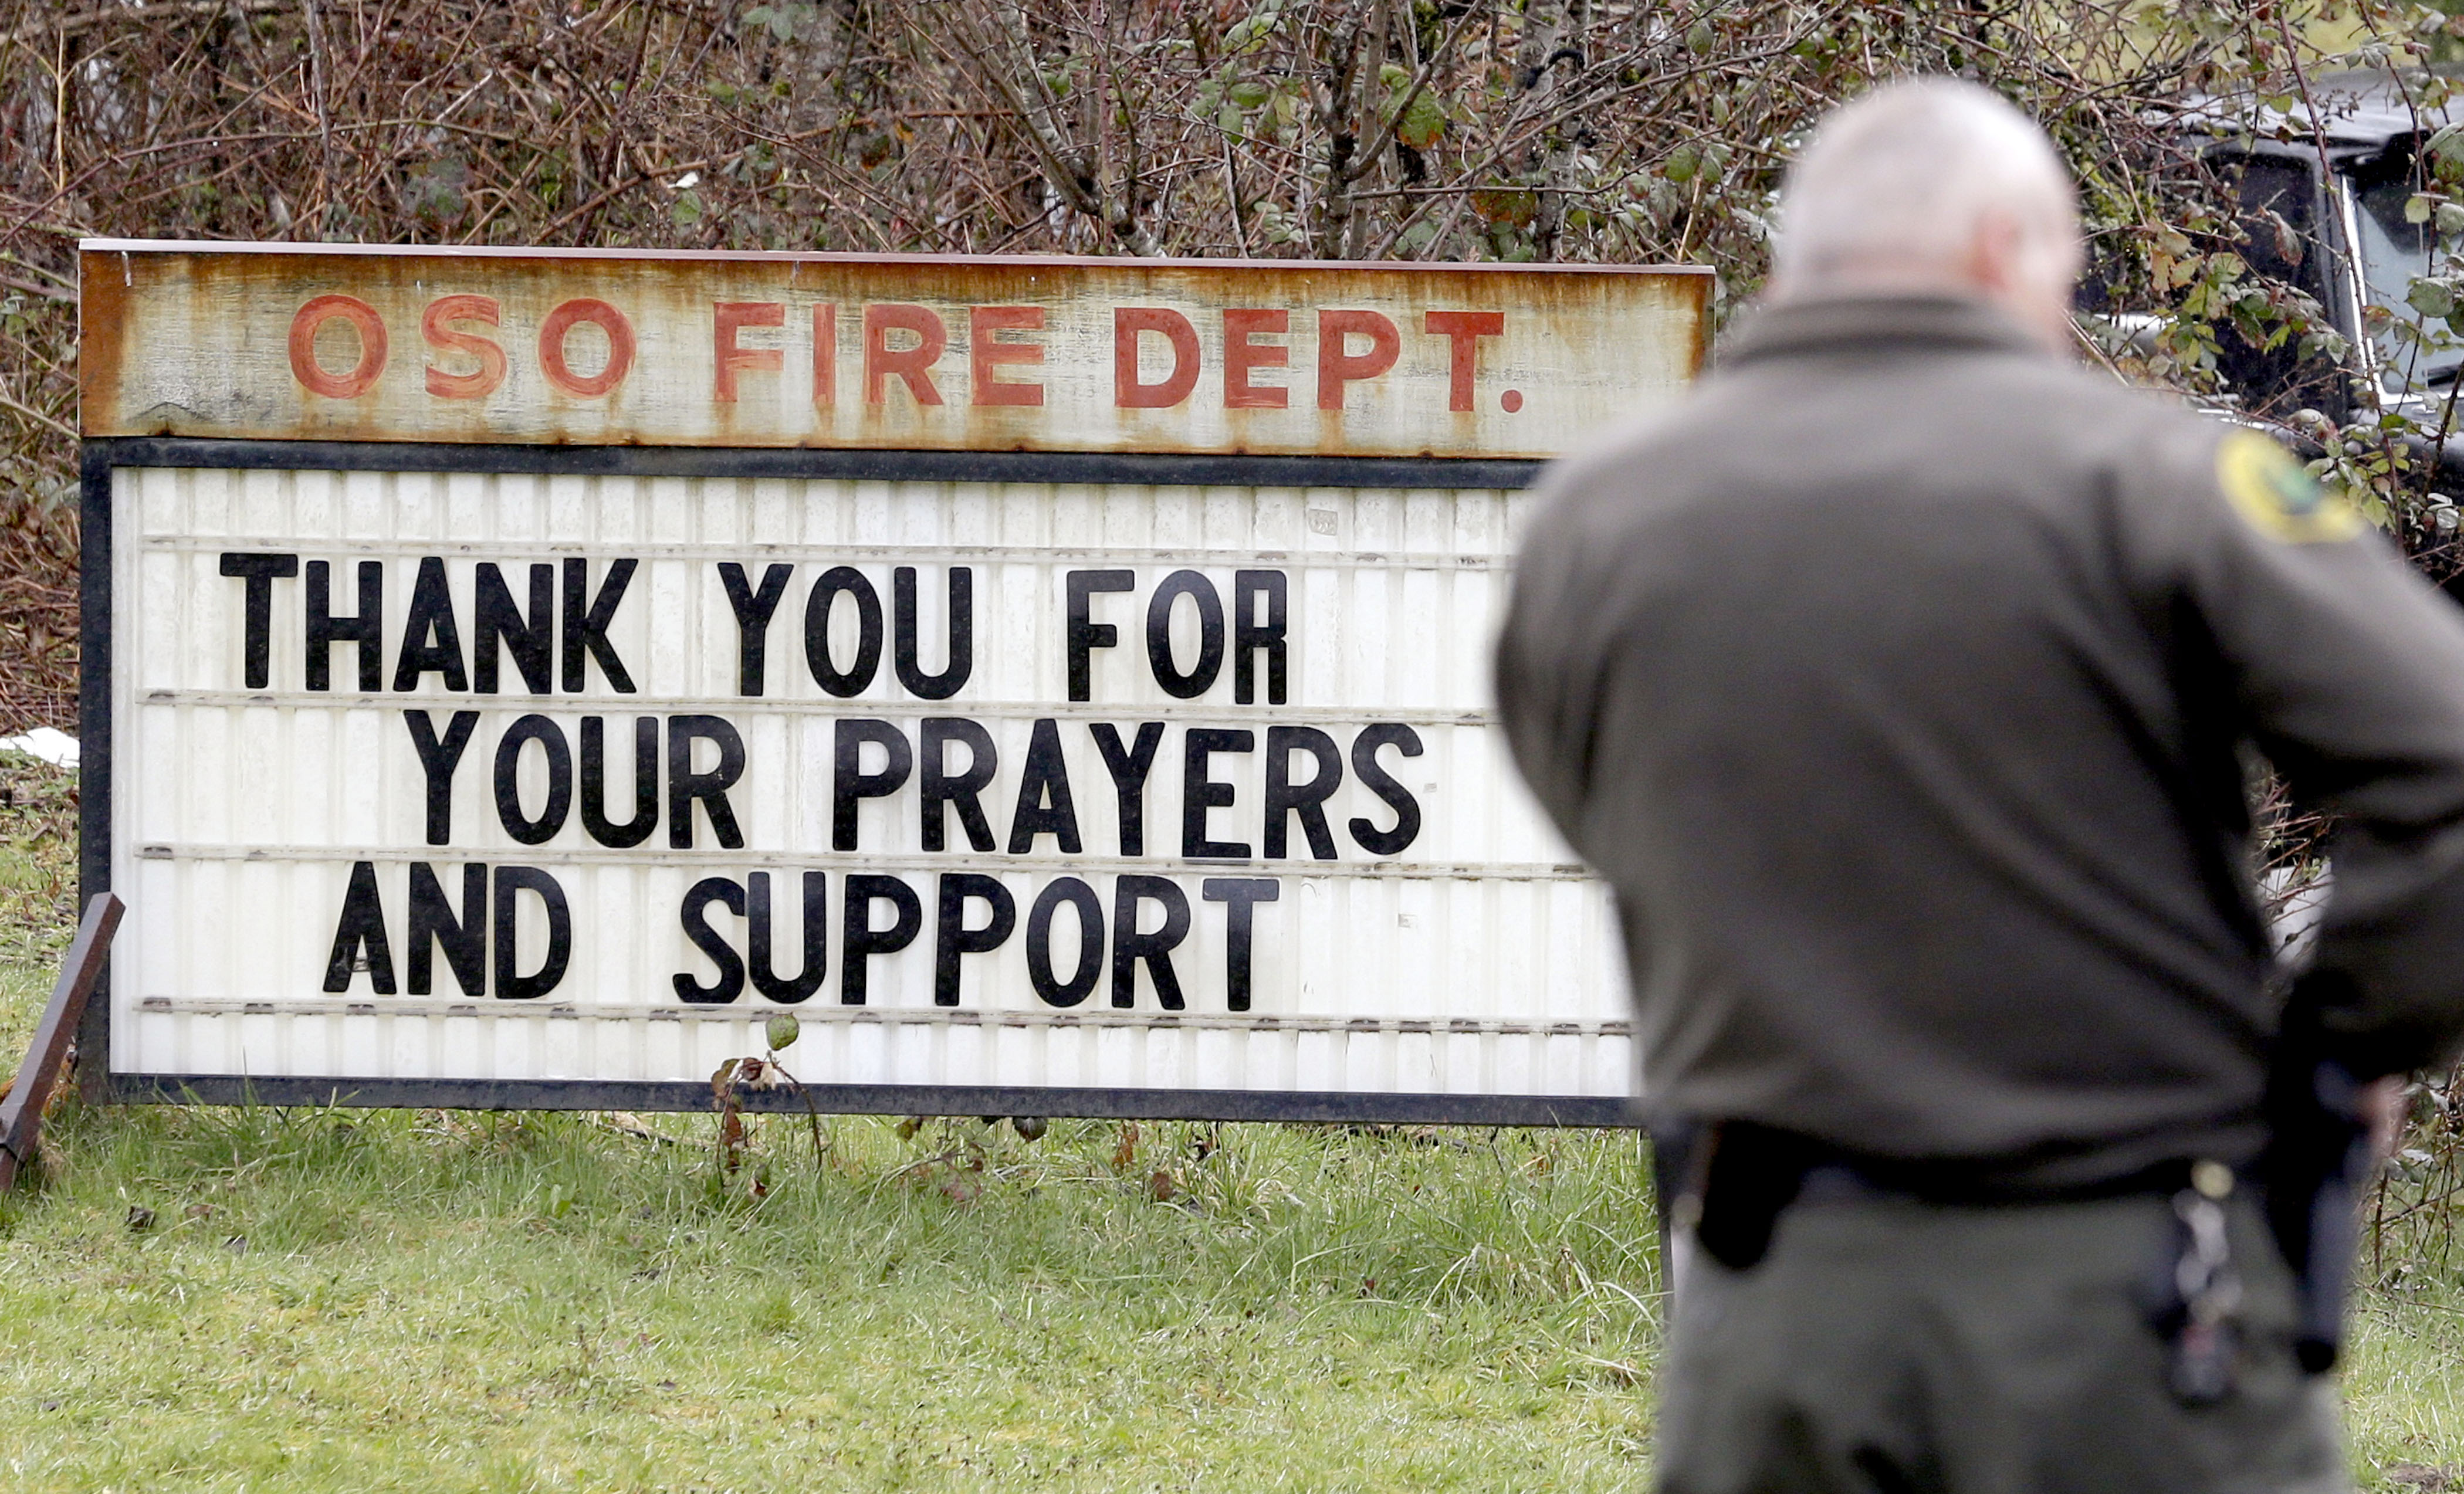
x,y
1905,683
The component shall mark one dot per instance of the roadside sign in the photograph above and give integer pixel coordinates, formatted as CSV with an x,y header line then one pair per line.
x,y
514,676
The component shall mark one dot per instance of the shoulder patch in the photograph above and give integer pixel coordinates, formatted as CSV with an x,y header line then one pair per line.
x,y
2280,499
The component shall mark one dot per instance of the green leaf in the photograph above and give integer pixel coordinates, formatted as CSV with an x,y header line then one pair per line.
x,y
1253,30
2417,208
1682,164
781,1031
1421,122
1250,94
2431,297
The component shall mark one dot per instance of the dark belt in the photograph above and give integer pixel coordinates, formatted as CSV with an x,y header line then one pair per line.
x,y
1745,1175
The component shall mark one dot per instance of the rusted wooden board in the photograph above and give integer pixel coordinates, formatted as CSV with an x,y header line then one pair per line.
x,y
374,344
21,1114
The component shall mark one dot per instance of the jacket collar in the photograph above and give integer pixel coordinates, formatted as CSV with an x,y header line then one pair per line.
x,y
1871,323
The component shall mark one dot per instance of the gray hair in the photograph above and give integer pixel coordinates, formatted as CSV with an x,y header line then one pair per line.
x,y
1900,181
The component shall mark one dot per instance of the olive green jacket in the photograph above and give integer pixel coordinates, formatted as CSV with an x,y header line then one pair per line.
x,y
1899,681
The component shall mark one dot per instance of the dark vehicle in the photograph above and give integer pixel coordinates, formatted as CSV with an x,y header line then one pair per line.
x,y
2327,201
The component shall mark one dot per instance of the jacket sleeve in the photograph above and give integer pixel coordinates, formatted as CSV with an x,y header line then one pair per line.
x,y
1544,699
2347,668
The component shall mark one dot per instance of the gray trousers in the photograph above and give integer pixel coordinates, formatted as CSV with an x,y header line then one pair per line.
x,y
1887,1345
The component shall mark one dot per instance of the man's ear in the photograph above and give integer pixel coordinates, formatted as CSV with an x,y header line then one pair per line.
x,y
2029,273
1996,261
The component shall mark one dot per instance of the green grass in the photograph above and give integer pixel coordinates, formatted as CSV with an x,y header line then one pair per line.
x,y
422,1302
397,1301
432,1301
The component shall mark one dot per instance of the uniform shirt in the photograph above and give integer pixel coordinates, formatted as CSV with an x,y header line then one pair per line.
x,y
1898,681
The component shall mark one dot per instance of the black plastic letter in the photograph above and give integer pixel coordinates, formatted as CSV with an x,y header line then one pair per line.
x,y
1085,635
1240,897
1285,798
848,782
1366,768
1129,767
961,634
1210,635
694,911
586,620
1249,635
1090,968
530,638
431,641
938,787
361,926
366,630
511,984
258,608
1130,946
560,780
1199,792
438,758
859,941
752,610
463,934
1044,806
845,684
684,784
758,938
645,782
951,937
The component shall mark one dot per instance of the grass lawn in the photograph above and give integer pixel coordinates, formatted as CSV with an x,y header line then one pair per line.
x,y
431,1302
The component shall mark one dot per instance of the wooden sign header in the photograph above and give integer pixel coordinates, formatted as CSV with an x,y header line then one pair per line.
x,y
349,342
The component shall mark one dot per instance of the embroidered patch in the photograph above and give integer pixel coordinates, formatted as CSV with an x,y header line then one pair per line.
x,y
2280,501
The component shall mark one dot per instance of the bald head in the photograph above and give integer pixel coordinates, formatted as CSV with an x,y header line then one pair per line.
x,y
1931,185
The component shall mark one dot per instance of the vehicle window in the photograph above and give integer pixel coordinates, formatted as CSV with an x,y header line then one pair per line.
x,y
2265,209
2276,221
2393,253
2277,213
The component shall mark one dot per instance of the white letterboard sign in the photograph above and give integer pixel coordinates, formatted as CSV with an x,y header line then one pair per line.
x,y
514,677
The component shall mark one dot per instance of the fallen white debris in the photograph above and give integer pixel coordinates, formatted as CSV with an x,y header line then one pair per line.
x,y
53,747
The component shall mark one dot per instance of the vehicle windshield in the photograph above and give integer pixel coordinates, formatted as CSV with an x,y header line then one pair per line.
x,y
2393,254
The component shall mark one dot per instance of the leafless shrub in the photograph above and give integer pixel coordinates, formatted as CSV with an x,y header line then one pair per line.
x,y
1600,130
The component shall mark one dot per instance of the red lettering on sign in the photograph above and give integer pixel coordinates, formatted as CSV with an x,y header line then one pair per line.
x,y
1129,324
1338,365
1463,330
825,354
434,324
364,318
620,347
984,355
913,364
1241,355
727,360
